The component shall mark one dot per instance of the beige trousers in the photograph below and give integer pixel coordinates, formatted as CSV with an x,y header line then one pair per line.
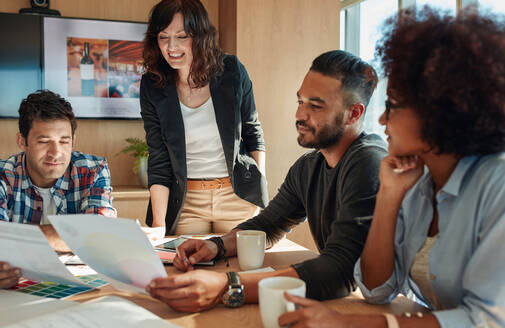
x,y
213,211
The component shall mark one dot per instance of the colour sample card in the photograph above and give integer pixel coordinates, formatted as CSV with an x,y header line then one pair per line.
x,y
59,291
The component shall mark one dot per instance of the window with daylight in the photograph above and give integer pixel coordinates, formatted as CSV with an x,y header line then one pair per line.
x,y
448,5
361,24
495,6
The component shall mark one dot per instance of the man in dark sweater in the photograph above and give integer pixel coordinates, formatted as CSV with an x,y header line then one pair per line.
x,y
333,186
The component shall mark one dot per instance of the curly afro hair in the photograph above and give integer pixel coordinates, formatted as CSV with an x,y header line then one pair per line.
x,y
451,72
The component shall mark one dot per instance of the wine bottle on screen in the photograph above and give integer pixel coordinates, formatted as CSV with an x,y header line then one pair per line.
x,y
87,73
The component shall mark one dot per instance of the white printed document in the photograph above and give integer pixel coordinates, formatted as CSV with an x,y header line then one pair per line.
x,y
115,248
109,311
25,246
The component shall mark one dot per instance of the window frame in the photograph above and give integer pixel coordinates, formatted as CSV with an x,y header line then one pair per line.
x,y
352,25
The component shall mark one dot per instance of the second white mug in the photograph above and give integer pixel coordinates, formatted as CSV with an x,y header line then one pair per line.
x,y
272,300
250,249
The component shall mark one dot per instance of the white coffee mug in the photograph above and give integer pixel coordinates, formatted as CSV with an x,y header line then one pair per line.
x,y
272,300
250,249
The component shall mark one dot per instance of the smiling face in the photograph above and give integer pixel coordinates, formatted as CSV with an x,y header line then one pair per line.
x,y
321,111
48,149
403,128
176,45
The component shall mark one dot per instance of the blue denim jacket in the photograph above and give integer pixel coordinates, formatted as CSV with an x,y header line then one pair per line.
x,y
467,262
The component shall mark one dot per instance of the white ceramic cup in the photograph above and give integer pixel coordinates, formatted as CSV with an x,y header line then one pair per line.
x,y
250,249
272,300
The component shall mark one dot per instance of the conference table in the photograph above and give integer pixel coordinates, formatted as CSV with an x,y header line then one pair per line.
x,y
282,255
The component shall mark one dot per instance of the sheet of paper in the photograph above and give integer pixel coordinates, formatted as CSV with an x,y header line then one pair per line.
x,y
70,259
80,270
15,306
25,246
116,248
110,311
162,241
265,269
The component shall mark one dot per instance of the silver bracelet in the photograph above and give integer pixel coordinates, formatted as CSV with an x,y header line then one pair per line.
x,y
391,320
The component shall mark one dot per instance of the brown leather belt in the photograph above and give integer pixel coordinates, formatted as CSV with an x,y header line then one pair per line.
x,y
208,184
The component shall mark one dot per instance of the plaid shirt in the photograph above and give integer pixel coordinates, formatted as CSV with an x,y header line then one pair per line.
x,y
83,188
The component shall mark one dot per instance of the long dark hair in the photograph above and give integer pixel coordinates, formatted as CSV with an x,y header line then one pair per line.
x,y
207,55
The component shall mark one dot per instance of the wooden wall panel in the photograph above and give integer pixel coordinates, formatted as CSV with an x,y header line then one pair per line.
x,y
99,137
277,41
228,26
130,10
13,6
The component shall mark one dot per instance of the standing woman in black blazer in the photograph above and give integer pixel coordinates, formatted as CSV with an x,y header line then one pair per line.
x,y
206,149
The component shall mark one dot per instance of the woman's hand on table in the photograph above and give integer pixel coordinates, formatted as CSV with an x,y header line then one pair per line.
x,y
9,277
154,234
192,291
310,314
193,251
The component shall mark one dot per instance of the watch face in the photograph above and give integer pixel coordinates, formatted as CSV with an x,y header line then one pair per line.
x,y
234,297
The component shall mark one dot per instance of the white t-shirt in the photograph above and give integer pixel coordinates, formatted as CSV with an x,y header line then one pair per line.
x,y
204,150
49,206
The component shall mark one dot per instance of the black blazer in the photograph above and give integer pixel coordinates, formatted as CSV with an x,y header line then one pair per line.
x,y
238,125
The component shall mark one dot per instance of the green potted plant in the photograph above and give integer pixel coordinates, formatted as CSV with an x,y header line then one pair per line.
x,y
138,148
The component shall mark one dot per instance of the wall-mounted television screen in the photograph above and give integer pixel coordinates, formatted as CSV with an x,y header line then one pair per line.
x,y
94,64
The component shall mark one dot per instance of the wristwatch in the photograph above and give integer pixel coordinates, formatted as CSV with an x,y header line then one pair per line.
x,y
234,296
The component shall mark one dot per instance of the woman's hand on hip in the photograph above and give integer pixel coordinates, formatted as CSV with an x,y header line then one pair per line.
x,y
154,234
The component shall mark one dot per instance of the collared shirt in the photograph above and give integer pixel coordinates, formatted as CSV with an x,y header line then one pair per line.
x,y
83,188
467,262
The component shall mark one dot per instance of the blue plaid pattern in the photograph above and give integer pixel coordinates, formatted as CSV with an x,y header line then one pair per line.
x,y
83,188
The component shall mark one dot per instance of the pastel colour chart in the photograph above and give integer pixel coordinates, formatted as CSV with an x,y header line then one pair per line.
x,y
60,291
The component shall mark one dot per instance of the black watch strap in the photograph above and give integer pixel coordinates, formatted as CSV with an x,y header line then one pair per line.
x,y
221,251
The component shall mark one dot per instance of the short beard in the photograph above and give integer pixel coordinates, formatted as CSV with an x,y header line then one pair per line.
x,y
326,137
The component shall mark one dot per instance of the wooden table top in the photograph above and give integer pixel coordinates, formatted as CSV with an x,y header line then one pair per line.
x,y
282,255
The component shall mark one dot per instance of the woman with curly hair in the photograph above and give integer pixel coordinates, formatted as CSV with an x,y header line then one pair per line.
x,y
439,219
206,147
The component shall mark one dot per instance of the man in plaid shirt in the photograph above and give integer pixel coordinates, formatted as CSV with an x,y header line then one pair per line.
x,y
47,177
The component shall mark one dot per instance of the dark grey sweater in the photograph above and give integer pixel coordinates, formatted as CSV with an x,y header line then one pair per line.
x,y
333,200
